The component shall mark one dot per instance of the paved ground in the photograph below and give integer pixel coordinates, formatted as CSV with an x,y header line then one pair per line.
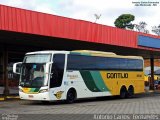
x,y
141,104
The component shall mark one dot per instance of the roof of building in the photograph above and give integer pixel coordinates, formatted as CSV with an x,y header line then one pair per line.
x,y
31,22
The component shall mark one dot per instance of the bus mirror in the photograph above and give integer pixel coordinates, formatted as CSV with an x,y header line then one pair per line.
x,y
17,67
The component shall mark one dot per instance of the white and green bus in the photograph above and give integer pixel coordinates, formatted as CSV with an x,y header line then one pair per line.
x,y
71,75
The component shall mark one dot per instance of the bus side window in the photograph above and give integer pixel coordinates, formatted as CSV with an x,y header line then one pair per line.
x,y
57,70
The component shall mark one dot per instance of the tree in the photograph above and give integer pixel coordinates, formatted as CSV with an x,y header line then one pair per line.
x,y
124,21
156,30
141,27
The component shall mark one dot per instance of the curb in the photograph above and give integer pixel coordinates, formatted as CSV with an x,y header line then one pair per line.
x,y
13,97
9,97
2,99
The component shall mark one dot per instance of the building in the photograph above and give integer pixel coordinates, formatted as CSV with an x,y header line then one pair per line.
x,y
23,31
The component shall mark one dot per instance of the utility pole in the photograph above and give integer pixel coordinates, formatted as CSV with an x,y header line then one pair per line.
x,y
5,71
152,73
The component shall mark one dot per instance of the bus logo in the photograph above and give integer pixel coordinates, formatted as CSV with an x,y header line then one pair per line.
x,y
59,94
117,75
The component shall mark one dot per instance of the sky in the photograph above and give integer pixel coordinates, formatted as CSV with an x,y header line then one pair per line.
x,y
85,9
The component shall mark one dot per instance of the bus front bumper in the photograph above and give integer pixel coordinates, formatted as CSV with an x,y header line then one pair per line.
x,y
38,96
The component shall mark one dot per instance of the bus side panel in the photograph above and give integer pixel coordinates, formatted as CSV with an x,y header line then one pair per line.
x,y
87,84
114,80
103,83
75,80
139,86
95,83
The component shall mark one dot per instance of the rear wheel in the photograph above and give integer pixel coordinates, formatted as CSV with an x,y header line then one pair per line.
x,y
71,96
123,92
130,92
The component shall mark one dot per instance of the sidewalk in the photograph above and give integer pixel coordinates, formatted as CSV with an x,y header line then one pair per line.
x,y
9,97
13,93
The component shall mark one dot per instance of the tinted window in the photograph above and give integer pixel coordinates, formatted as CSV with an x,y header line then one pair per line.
x,y
82,62
57,70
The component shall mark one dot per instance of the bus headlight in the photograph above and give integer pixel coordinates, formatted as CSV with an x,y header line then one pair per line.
x,y
43,90
20,90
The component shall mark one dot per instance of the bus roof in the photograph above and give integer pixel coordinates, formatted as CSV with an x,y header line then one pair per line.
x,y
86,52
47,51
102,54
91,52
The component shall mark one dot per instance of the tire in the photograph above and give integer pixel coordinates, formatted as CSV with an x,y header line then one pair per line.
x,y
71,96
123,93
130,92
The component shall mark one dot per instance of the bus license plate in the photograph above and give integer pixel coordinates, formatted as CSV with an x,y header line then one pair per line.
x,y
30,96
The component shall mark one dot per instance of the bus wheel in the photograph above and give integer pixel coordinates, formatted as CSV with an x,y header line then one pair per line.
x,y
130,92
71,96
123,92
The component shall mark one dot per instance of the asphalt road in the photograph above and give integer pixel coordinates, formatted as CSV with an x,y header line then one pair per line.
x,y
141,104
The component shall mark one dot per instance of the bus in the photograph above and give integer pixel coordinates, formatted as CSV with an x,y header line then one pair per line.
x,y
71,75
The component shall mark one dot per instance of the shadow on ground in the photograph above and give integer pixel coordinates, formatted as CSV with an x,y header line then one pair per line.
x,y
98,99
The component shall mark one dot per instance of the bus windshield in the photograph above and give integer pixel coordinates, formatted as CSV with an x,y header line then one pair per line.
x,y
32,75
37,58
33,70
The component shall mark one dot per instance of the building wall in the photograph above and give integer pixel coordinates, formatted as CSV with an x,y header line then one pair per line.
x,y
156,62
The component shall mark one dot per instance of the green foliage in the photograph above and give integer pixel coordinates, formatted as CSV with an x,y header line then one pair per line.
x,y
124,21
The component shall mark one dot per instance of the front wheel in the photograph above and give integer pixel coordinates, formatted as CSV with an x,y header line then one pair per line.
x,y
71,96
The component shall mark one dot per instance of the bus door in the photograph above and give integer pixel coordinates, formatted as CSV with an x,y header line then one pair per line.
x,y
57,71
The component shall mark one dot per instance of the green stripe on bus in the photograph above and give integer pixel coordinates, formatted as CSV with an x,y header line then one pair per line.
x,y
99,81
88,80
34,90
